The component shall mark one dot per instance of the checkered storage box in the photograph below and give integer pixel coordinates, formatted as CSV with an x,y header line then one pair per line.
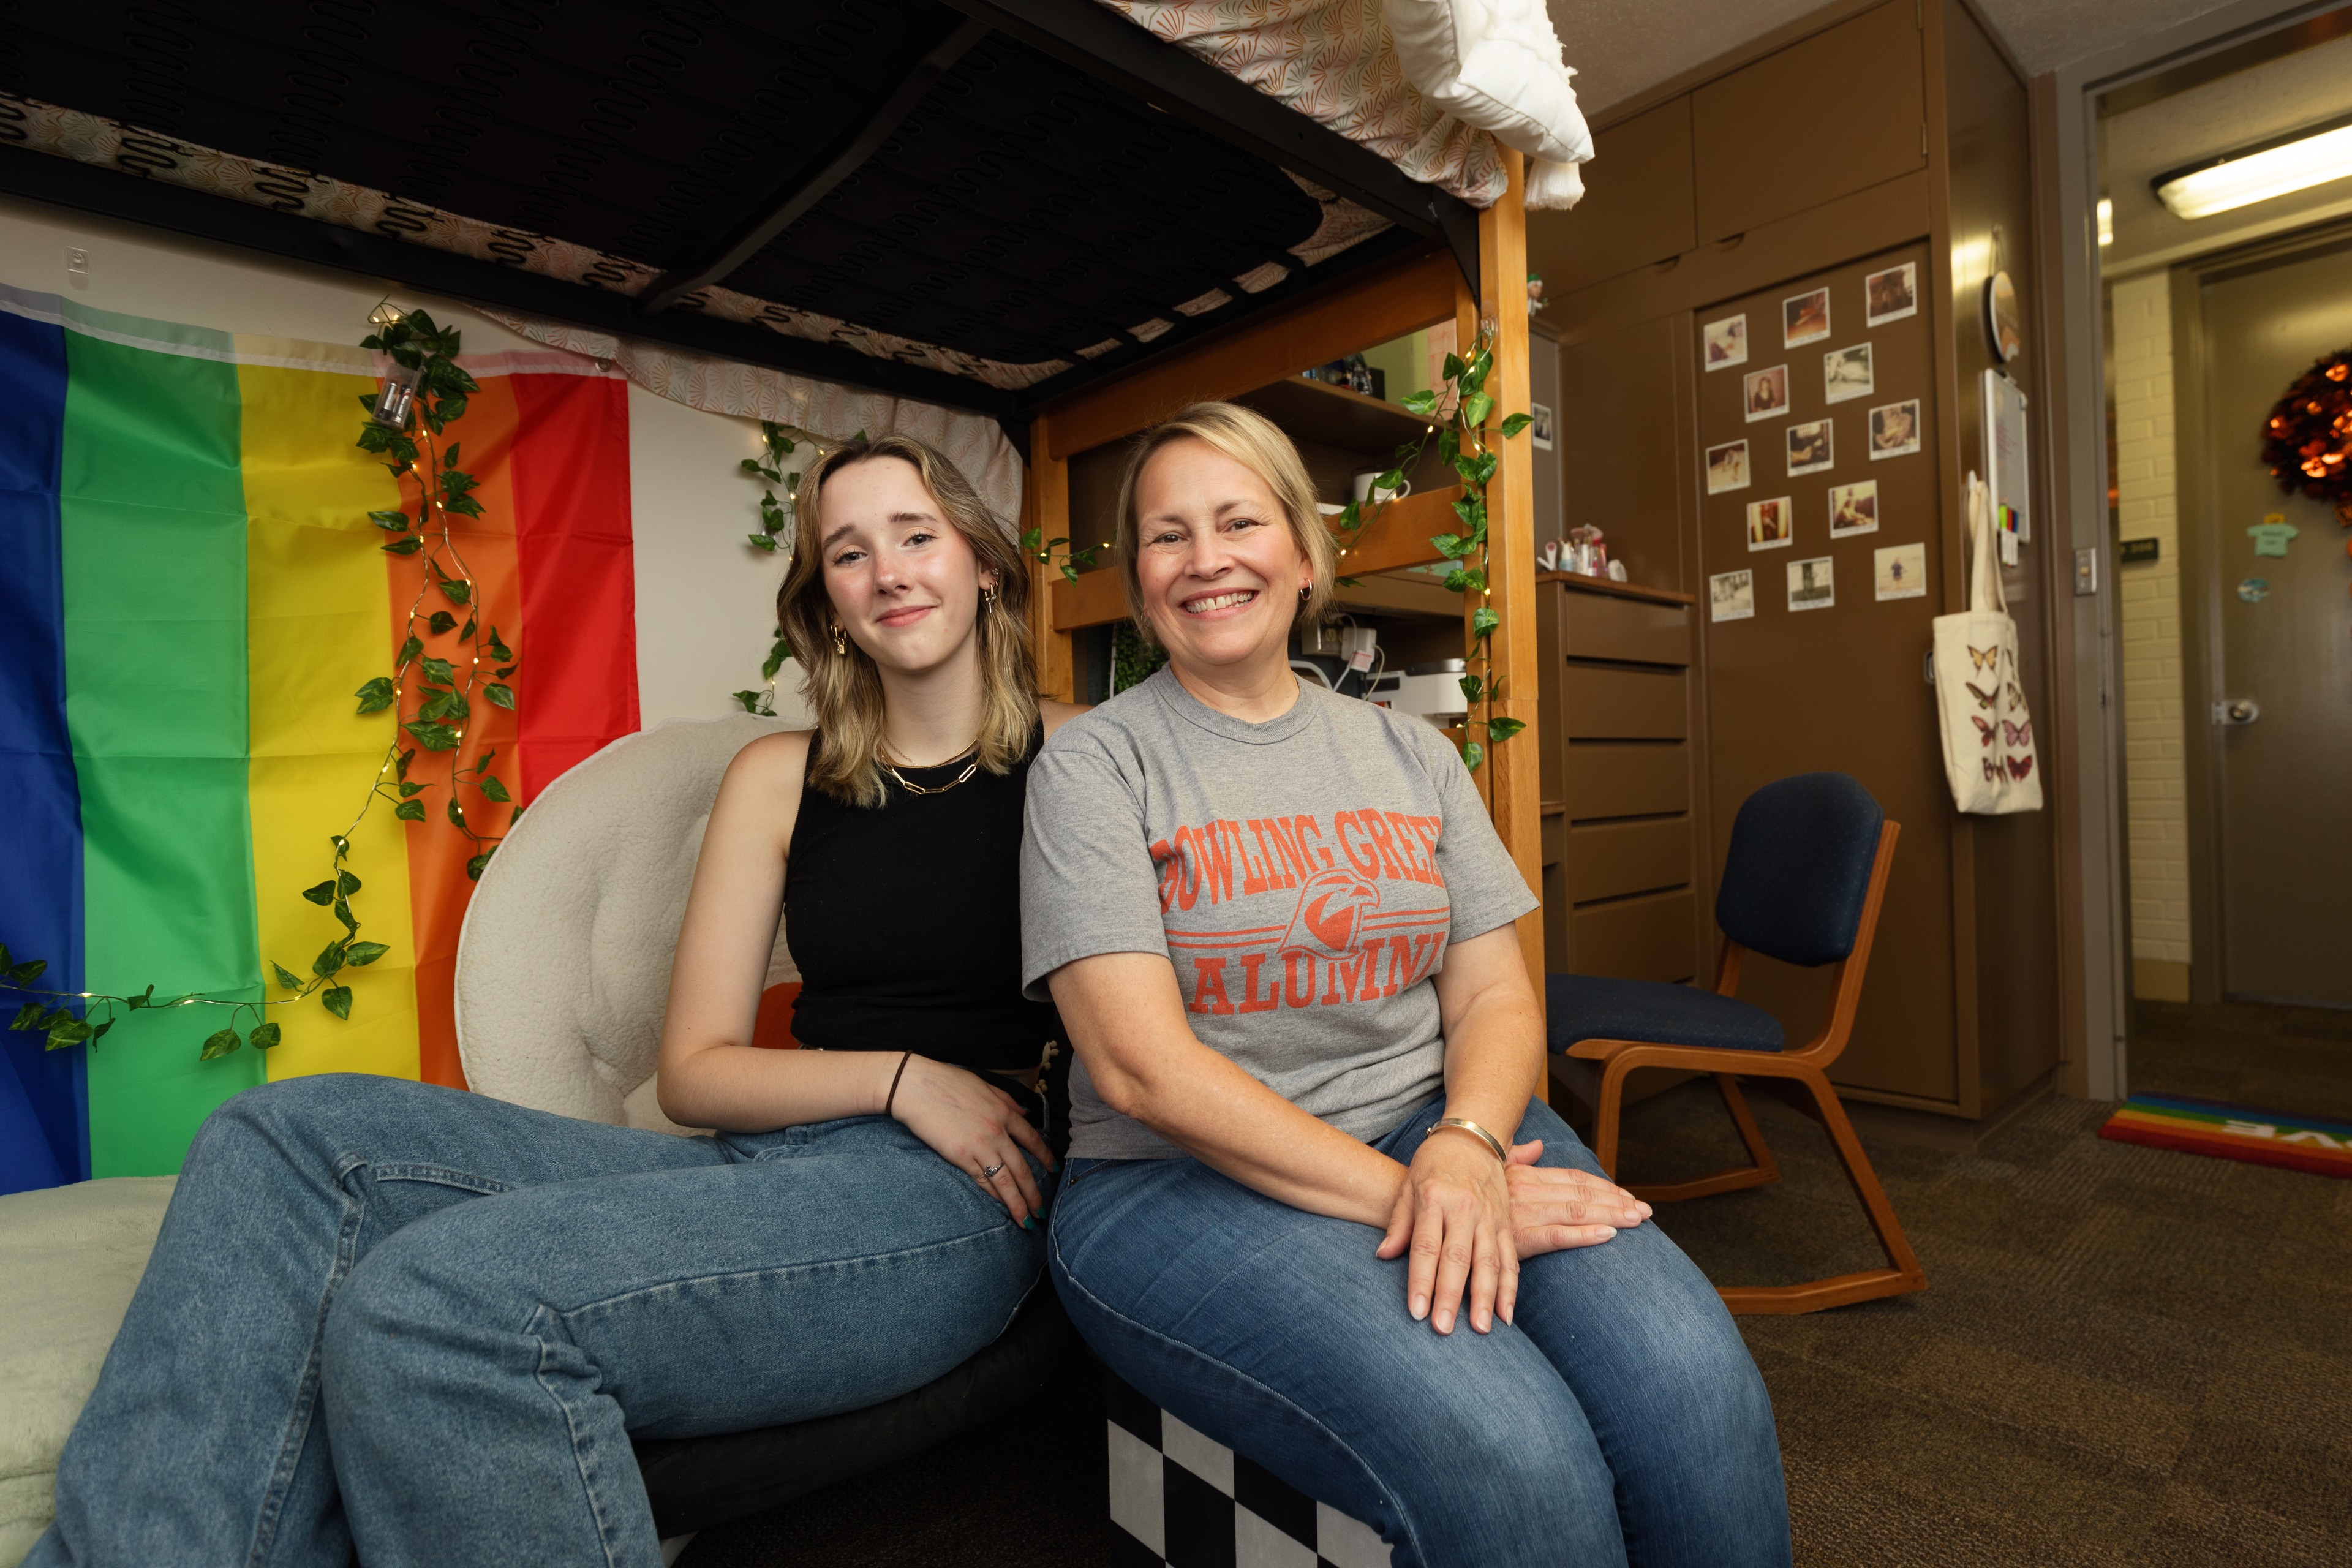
x,y
1187,1501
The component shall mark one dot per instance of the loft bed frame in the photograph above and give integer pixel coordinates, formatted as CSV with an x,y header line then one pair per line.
x,y
1029,210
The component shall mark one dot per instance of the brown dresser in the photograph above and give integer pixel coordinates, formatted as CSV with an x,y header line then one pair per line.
x,y
1621,866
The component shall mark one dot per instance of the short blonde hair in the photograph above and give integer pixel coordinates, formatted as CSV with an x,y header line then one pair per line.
x,y
1258,444
845,688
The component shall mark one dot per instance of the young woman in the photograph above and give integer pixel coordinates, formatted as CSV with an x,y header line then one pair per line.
x,y
1278,924
425,1323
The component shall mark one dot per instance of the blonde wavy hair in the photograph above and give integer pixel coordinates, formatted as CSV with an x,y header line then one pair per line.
x,y
845,688
1258,444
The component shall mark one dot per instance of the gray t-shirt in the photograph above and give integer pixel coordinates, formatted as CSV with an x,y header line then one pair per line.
x,y
1303,875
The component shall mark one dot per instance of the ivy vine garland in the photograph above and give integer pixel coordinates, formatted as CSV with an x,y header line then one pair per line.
x,y
1458,410
430,694
2308,440
776,517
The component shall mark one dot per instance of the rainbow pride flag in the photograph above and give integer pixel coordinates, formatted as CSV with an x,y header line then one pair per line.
x,y
2232,1133
190,592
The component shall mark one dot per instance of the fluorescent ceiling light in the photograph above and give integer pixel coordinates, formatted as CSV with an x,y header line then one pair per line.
x,y
2311,156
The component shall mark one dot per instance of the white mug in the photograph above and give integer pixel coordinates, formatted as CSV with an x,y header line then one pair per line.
x,y
1364,477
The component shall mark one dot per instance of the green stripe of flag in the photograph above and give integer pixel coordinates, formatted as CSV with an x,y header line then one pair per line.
x,y
154,527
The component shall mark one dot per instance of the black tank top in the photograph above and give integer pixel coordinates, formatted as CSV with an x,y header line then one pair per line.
x,y
906,921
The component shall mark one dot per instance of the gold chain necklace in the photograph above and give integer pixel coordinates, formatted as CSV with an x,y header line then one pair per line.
x,y
970,768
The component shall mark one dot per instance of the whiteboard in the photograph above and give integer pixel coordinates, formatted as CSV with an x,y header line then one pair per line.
x,y
2004,434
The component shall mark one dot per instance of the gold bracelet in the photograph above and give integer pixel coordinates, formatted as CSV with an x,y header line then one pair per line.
x,y
1464,1124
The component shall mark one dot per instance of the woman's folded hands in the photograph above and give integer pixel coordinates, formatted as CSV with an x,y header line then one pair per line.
x,y
1466,1221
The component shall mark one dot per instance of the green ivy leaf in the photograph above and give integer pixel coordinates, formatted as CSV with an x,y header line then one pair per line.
x,y
322,895
145,999
67,1030
1453,369
499,695
439,621
1475,409
1472,685
24,973
390,521
1517,423
475,867
750,465
100,1033
409,791
410,650
433,737
449,458
377,695
498,649
439,671
338,1000
1473,754
458,593
28,1015
406,758
749,699
409,545
1483,622
360,955
494,789
1422,402
409,811
1501,729
346,884
220,1042
1458,580
1453,546
329,958
762,541
343,913
285,978
263,1036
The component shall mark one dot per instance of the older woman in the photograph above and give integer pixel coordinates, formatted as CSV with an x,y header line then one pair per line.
x,y
1278,924
422,1325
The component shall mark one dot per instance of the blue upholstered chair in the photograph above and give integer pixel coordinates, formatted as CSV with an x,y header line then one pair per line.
x,y
1803,883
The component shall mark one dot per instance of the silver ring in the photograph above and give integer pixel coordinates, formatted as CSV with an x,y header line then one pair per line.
x,y
988,1173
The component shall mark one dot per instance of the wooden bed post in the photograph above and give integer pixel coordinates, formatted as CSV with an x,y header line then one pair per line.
x,y
1046,506
1513,785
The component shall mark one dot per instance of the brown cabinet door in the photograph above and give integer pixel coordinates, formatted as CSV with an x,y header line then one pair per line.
x,y
1842,110
1637,207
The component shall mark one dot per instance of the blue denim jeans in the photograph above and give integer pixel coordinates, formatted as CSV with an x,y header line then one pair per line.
x,y
425,1324
1619,1421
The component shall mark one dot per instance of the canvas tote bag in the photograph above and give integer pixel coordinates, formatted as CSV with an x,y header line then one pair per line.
x,y
1989,754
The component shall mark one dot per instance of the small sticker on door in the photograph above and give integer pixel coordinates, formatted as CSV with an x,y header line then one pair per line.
x,y
2254,590
2272,535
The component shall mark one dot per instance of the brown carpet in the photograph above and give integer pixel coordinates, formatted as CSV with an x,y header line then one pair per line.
x,y
2125,1355
2293,1061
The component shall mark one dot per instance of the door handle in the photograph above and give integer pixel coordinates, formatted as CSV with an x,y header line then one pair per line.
x,y
2237,711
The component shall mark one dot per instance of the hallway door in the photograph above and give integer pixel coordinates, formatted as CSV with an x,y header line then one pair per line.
x,y
2279,653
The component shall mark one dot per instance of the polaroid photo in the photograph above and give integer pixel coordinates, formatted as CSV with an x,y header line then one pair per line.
x,y
1805,318
1890,295
1853,509
1724,342
1846,374
1812,447
1726,468
1539,429
1731,597
1901,571
1811,585
1895,429
1767,392
1771,524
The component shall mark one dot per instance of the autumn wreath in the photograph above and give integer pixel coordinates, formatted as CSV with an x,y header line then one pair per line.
x,y
2308,440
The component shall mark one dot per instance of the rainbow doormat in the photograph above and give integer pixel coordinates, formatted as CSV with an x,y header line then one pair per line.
x,y
2233,1132
191,593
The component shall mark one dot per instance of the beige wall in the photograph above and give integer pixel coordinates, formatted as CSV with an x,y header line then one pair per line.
x,y
706,602
2149,607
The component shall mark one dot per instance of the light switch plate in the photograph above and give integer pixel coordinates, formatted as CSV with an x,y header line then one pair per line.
x,y
2086,572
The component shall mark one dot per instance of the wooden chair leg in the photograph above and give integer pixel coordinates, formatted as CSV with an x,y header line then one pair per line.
x,y
1904,1273
1606,1106
1760,1171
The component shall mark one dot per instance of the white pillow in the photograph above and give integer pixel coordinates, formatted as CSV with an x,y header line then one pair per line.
x,y
1494,64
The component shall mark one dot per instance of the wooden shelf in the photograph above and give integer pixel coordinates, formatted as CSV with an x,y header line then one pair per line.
x,y
1578,582
1335,417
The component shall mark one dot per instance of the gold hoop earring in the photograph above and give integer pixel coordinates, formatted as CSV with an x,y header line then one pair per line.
x,y
840,641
